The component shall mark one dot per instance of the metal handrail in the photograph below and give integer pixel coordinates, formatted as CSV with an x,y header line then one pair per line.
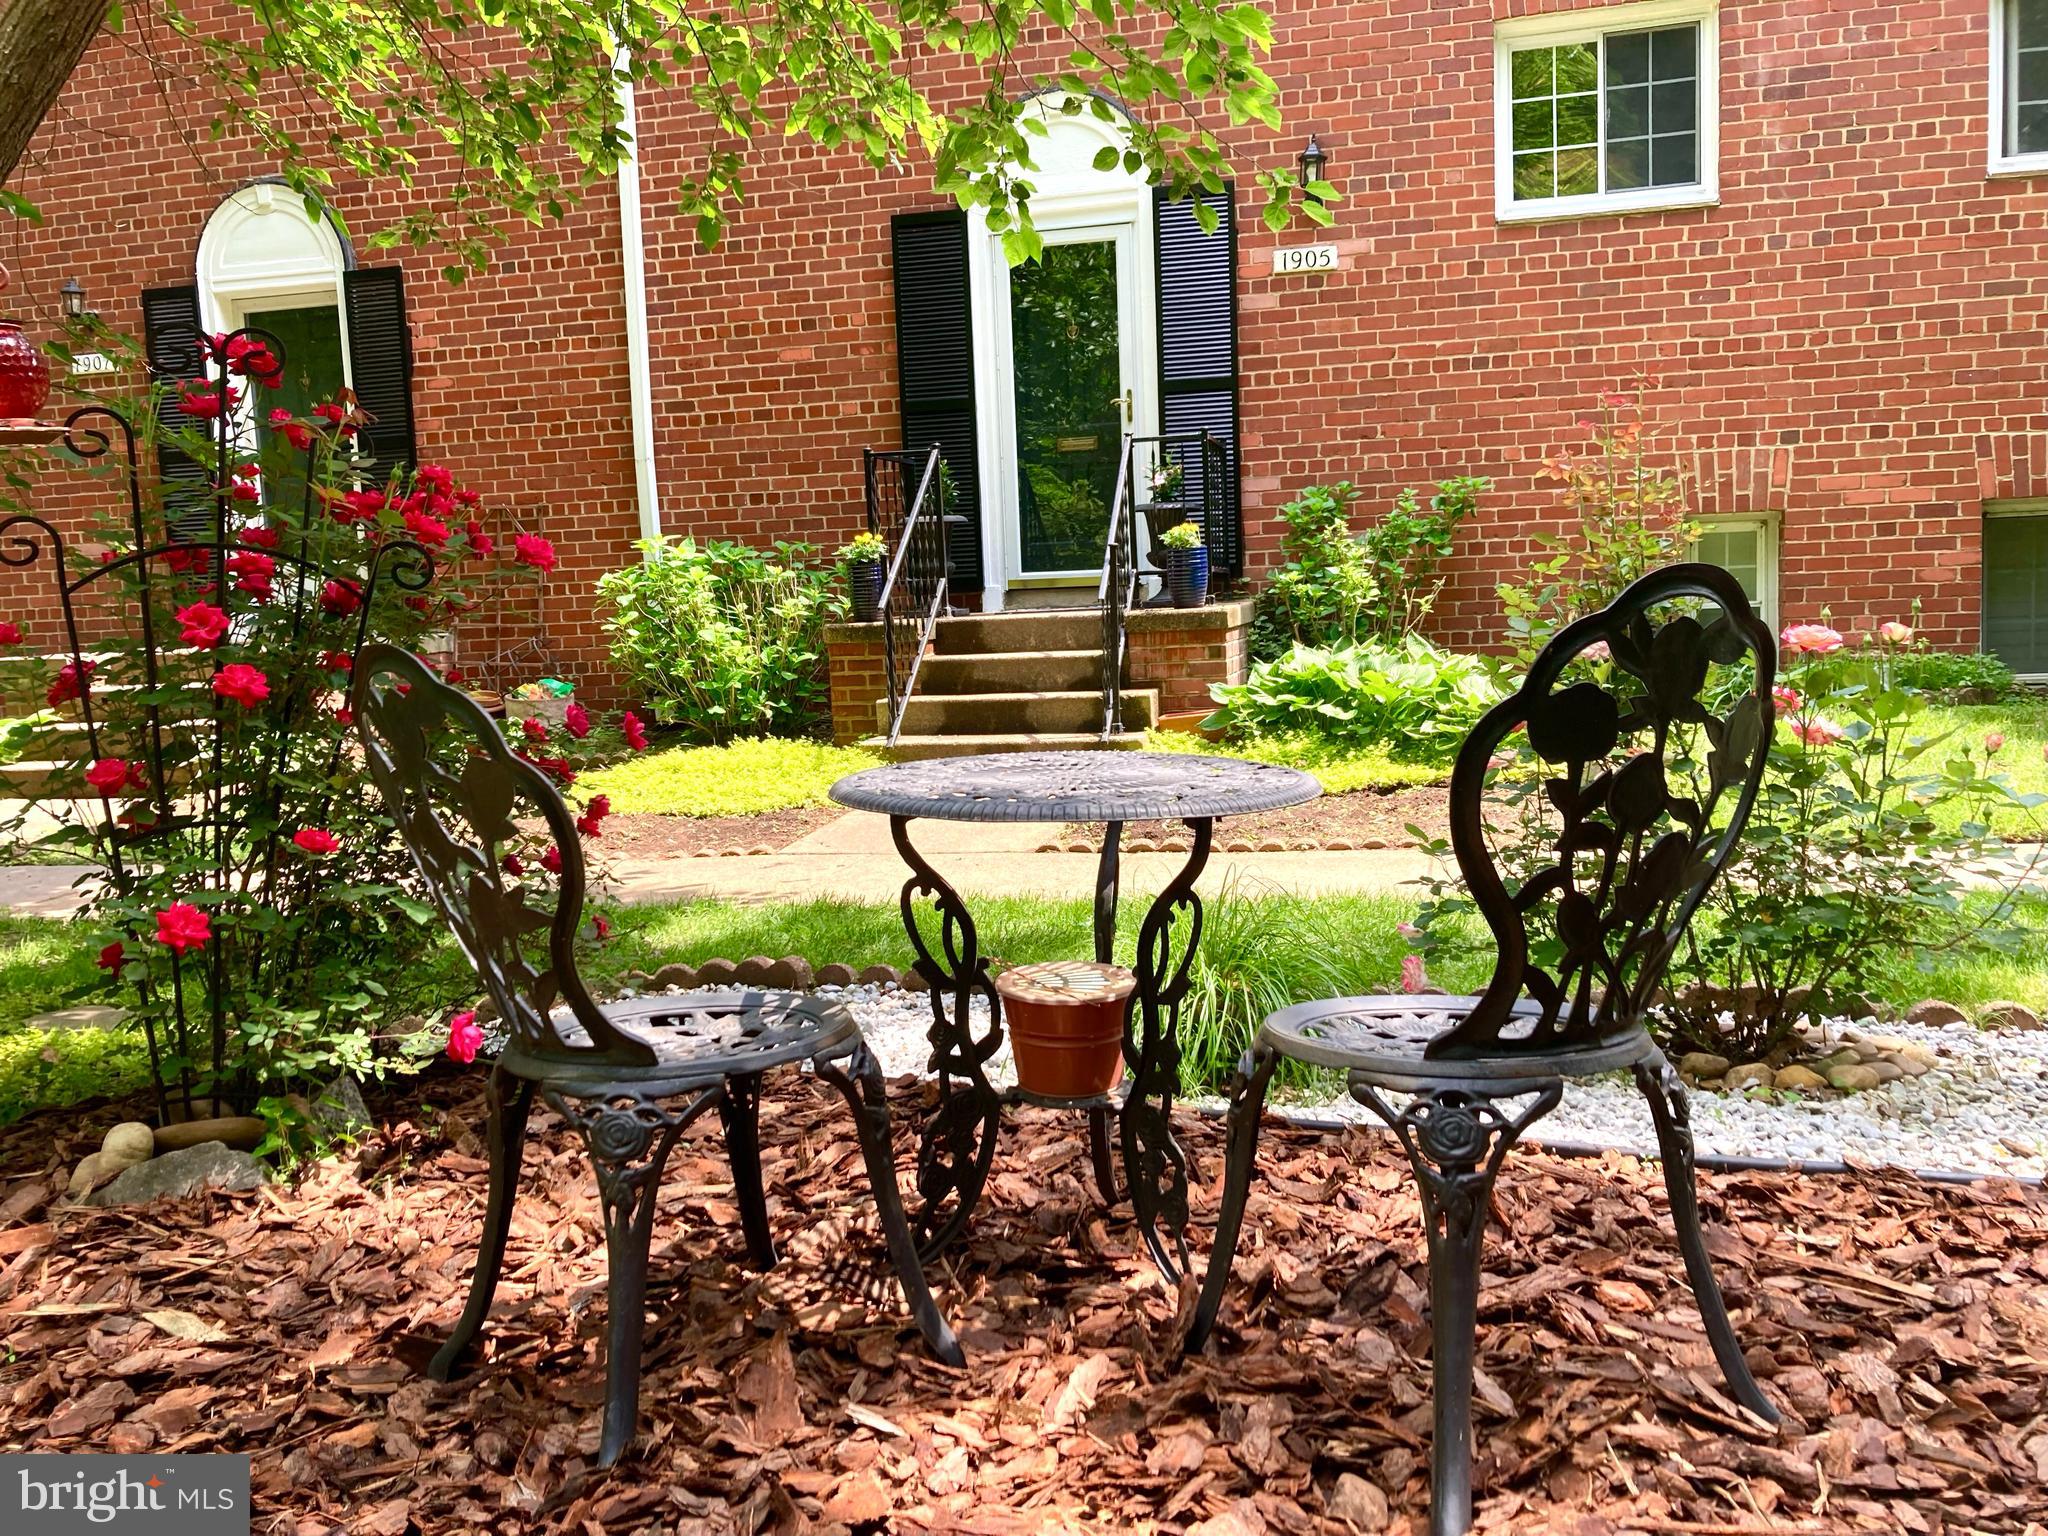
x,y
1118,588
916,587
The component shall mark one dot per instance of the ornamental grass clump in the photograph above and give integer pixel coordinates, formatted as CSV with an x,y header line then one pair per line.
x,y
255,912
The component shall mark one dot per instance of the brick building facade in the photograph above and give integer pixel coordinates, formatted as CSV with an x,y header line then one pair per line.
x,y
1816,232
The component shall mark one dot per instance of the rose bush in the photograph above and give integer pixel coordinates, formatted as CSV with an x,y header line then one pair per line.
x,y
259,909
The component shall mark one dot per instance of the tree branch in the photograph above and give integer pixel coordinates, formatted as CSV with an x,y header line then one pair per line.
x,y
41,42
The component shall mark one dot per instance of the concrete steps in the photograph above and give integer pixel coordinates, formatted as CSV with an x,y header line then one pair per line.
x,y
1012,682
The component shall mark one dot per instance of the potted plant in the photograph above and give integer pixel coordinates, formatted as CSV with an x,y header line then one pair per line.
x,y
1066,1025
547,701
1163,486
1184,560
863,559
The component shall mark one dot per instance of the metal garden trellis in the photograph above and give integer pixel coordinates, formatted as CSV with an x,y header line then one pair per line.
x,y
198,786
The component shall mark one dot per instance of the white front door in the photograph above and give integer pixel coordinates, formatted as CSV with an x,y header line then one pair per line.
x,y
1068,385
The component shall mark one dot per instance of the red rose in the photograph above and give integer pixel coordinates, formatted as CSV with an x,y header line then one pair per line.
x,y
201,625
242,683
331,410
634,732
576,720
337,661
242,490
480,543
317,841
534,729
253,572
591,822
296,432
182,926
10,633
603,928
73,678
430,531
531,549
260,538
514,865
341,598
435,476
111,958
464,1038
201,399
551,861
344,716
556,768
108,775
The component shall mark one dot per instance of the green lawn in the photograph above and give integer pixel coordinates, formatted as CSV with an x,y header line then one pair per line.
x,y
1338,768
1260,950
741,779
2023,723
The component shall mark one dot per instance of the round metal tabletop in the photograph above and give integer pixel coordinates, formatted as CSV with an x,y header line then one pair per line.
x,y
1075,786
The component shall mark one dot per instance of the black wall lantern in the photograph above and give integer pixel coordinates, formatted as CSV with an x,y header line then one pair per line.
x,y
74,299
1314,163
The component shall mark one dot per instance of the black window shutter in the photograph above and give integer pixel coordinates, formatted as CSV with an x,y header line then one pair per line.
x,y
935,365
1198,349
170,345
380,367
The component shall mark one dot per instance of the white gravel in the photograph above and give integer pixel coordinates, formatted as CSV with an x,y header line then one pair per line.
x,y
1984,1109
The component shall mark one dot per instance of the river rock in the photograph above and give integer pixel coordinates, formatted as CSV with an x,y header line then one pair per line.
x,y
1854,1078
1934,1012
1703,1064
180,1175
242,1132
1754,1074
340,1110
128,1143
1887,1071
92,1171
2008,1015
836,975
1798,1079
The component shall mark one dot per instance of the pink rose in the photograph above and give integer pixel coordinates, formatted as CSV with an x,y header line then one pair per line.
x,y
1992,742
1892,632
1785,698
1413,978
1811,639
1817,732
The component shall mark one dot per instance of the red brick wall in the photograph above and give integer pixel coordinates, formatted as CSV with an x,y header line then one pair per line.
x,y
1863,302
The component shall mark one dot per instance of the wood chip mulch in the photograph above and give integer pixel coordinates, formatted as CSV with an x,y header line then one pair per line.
x,y
652,837
1903,1326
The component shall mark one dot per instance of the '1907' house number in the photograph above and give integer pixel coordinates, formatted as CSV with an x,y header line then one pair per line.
x,y
1290,259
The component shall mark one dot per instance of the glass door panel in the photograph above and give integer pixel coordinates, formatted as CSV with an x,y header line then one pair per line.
x,y
1071,398
310,336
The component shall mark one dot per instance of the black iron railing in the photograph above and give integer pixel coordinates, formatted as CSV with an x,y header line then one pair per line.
x,y
1166,480
1119,587
907,507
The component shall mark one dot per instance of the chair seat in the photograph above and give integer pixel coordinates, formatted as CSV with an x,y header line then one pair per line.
x,y
1383,1039
701,1038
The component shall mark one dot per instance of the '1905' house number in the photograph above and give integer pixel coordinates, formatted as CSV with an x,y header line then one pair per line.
x,y
1289,259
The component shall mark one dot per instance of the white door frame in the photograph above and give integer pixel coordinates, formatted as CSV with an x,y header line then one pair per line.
x,y
1071,201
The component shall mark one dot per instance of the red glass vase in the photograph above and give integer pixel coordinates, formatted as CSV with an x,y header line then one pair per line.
x,y
24,373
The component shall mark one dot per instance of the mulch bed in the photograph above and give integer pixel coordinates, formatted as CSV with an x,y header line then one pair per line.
x,y
653,837
1902,1326
1365,818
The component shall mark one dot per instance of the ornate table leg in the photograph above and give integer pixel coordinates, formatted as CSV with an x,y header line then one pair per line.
x,y
1100,1139
1672,1111
1456,1138
959,1142
1247,1101
1154,1165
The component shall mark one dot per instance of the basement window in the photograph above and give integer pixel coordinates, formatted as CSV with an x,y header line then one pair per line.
x,y
1747,549
1614,115
2019,87
2016,585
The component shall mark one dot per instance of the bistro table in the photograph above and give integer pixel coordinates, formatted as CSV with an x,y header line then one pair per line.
x,y
1113,787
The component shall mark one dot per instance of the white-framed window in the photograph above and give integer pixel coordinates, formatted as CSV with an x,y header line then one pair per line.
x,y
2019,87
2016,585
1614,110
1745,546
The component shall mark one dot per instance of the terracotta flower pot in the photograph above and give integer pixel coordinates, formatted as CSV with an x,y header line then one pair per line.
x,y
1066,1024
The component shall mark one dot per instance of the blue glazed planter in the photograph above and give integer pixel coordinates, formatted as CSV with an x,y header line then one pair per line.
x,y
1187,576
864,590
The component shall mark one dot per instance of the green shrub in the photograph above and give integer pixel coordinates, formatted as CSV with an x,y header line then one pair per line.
x,y
1954,672
1405,549
739,779
723,639
1323,595
1339,766
1417,700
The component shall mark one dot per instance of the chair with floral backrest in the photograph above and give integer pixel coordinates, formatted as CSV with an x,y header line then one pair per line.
x,y
629,1076
1648,790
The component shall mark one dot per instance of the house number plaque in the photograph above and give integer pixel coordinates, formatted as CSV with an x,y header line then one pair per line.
x,y
1290,259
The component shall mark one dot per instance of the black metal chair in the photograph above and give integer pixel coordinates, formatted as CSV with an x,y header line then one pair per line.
x,y
1636,851
629,1076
